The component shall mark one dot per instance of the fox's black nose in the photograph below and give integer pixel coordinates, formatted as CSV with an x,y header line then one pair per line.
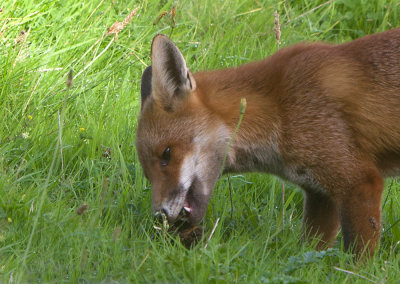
x,y
161,215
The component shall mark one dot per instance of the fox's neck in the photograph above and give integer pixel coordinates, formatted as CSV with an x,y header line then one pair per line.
x,y
221,92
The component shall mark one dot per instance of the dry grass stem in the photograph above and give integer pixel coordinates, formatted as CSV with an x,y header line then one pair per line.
x,y
277,29
117,27
70,78
160,17
138,58
143,261
212,232
21,37
355,274
30,97
171,15
249,12
22,54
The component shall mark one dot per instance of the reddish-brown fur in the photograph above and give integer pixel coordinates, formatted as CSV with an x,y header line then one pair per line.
x,y
326,117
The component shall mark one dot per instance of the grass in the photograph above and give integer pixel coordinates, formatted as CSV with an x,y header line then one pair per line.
x,y
63,147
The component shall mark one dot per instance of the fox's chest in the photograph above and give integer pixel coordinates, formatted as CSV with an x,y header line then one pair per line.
x,y
268,159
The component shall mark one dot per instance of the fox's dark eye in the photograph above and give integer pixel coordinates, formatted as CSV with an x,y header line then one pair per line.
x,y
166,156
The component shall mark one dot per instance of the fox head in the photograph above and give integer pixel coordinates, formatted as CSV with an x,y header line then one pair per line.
x,y
180,142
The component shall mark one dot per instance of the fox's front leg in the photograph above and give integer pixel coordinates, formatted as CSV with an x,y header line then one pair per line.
x,y
360,213
321,217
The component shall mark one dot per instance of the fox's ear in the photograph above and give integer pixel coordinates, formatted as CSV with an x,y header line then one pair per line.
x,y
145,86
171,79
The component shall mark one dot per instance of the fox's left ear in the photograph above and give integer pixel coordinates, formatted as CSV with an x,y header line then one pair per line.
x,y
171,79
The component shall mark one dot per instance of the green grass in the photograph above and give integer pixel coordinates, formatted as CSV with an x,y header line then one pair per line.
x,y
93,122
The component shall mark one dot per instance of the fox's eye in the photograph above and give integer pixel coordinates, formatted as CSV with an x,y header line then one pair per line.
x,y
166,156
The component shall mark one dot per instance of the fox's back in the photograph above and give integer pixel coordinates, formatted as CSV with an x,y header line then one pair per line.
x,y
351,89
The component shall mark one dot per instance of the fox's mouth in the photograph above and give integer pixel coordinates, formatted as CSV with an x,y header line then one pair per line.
x,y
195,204
188,209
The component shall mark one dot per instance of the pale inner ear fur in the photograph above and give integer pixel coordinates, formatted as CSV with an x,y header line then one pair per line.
x,y
171,80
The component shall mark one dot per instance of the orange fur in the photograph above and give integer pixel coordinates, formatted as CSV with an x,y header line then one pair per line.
x,y
325,117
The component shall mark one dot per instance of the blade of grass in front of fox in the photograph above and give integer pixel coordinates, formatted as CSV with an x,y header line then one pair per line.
x,y
243,104
242,110
277,30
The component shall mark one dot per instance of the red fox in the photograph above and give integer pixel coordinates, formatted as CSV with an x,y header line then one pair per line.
x,y
325,117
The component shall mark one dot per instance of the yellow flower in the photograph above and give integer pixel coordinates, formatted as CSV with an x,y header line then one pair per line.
x,y
30,117
82,129
9,220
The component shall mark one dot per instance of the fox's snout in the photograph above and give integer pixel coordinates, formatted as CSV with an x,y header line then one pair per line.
x,y
164,214
161,215
185,203
170,207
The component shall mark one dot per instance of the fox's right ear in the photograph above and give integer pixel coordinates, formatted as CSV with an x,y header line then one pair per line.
x,y
171,79
145,86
